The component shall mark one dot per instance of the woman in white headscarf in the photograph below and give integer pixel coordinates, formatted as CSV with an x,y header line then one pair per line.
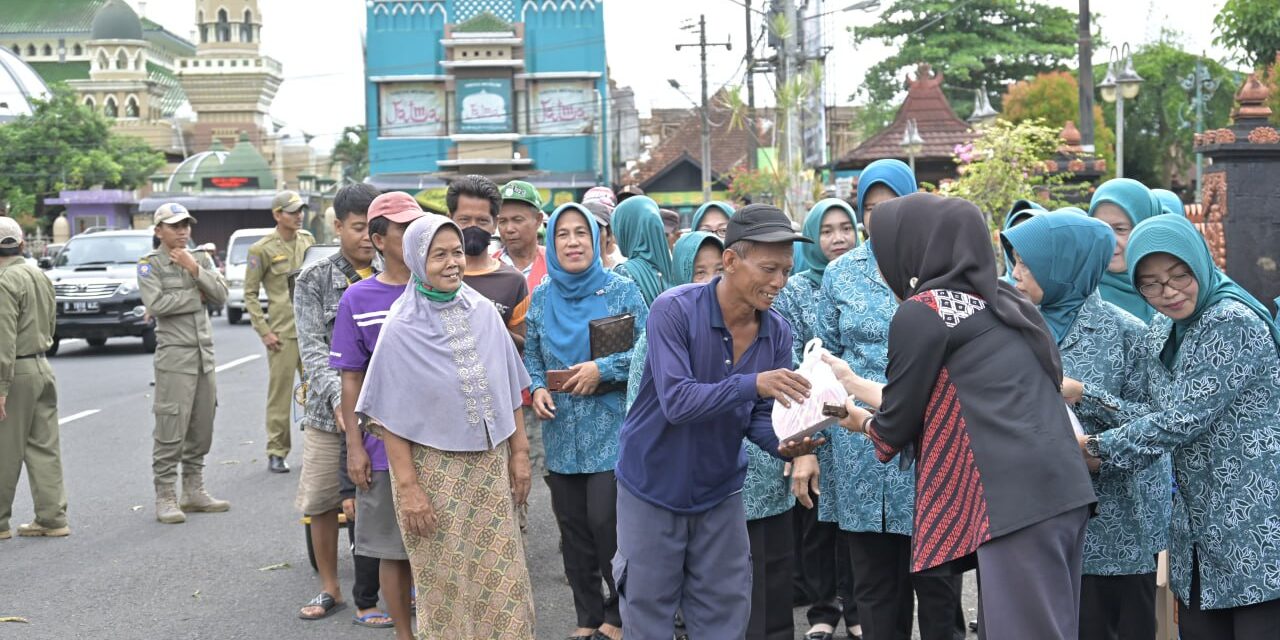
x,y
444,387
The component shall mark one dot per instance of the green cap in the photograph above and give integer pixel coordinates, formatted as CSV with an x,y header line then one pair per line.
x,y
288,201
521,191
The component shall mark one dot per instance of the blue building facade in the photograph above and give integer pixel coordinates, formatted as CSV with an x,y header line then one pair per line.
x,y
505,88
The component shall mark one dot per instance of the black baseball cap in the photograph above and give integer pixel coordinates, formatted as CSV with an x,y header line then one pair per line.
x,y
761,223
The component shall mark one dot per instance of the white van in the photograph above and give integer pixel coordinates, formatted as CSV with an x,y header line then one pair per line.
x,y
237,259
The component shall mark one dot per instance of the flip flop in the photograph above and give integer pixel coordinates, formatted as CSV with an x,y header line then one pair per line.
x,y
324,601
363,620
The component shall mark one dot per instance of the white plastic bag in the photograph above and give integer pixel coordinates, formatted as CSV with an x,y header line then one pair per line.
x,y
801,420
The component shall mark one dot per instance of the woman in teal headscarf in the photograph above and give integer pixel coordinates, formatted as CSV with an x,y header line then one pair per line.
x,y
1207,390
1123,203
637,226
1061,258
712,217
1170,201
1020,212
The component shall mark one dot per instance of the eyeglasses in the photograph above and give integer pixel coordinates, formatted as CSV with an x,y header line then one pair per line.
x,y
1179,282
718,231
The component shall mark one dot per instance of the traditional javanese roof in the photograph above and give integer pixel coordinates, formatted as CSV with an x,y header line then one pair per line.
x,y
939,126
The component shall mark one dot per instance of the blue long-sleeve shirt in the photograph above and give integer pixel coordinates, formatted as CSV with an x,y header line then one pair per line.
x,y
681,446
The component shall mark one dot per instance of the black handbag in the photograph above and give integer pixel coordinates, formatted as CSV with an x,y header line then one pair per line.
x,y
614,334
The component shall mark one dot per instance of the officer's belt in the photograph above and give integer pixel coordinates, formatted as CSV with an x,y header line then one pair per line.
x,y
31,355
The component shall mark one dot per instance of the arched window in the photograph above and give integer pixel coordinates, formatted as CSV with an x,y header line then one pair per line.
x,y
48,50
137,61
102,60
90,102
17,51
77,50
31,51
122,61
246,29
109,107
224,26
131,107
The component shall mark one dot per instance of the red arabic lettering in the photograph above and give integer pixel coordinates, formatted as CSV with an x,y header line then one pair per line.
x,y
556,110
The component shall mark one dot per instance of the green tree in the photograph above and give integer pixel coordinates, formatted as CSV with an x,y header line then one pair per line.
x,y
1002,165
1054,99
352,153
1251,29
1159,124
991,42
66,145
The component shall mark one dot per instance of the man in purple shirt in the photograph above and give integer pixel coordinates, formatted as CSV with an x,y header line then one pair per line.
x,y
361,314
718,359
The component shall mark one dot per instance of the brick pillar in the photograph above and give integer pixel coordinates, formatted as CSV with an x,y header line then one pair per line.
x,y
1241,192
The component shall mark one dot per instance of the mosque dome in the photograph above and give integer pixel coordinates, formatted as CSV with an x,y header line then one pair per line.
x,y
19,84
116,20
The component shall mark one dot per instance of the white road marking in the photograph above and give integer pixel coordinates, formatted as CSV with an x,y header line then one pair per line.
x,y
77,416
235,363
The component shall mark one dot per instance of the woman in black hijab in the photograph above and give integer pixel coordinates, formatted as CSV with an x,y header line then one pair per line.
x,y
1000,482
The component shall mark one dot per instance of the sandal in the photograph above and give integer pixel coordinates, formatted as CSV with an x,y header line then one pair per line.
x,y
326,602
364,620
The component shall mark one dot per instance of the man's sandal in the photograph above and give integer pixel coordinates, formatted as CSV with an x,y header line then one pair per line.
x,y
326,602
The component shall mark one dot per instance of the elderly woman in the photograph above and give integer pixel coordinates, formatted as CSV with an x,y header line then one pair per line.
x,y
1020,212
999,484
444,385
1061,258
1123,203
580,428
1207,389
869,501
637,226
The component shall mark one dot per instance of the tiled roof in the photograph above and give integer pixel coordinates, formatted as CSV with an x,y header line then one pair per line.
x,y
53,72
728,147
53,16
938,124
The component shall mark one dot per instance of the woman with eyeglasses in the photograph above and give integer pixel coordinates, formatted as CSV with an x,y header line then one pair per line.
x,y
1123,203
1206,391
712,217
1060,259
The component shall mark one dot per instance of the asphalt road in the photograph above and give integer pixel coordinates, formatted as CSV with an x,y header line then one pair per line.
x,y
122,575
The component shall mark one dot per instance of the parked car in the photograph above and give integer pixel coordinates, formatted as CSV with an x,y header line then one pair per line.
x,y
95,279
237,259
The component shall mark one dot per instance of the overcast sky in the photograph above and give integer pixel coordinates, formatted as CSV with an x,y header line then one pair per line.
x,y
323,86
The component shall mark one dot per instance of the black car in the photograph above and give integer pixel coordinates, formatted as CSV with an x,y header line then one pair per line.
x,y
95,278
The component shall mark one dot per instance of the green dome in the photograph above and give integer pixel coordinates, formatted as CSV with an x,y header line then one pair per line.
x,y
116,21
245,161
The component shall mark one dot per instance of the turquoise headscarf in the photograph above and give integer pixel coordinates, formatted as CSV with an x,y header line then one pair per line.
x,y
1170,201
1138,203
1021,210
1067,254
724,207
894,174
686,251
637,225
1176,236
573,298
816,261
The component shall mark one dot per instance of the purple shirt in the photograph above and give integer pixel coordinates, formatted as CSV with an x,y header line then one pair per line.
x,y
361,313
681,446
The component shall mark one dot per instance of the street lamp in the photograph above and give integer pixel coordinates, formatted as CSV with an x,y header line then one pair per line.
x,y
1121,83
983,113
1204,85
912,143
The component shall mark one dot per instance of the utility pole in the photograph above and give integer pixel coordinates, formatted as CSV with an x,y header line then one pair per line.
x,y
787,72
1086,79
751,93
702,45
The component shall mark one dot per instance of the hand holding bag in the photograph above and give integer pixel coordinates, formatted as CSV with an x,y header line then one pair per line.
x,y
803,420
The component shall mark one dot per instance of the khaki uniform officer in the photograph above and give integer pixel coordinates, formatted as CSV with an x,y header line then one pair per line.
x,y
28,392
176,287
271,260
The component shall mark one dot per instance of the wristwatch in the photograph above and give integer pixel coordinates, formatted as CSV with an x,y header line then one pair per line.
x,y
1091,447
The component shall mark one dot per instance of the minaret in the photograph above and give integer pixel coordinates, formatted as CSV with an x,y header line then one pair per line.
x,y
229,83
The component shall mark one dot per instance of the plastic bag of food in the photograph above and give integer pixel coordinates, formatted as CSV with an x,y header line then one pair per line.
x,y
825,393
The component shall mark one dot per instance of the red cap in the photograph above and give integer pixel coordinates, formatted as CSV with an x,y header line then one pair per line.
x,y
396,206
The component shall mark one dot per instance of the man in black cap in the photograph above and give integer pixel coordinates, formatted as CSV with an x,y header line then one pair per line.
x,y
718,359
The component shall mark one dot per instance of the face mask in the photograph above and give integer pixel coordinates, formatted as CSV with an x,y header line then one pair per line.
x,y
475,241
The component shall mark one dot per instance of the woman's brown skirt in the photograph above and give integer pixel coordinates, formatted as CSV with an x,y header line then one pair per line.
x,y
470,574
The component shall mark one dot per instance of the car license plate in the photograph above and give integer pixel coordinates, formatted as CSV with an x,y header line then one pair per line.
x,y
80,307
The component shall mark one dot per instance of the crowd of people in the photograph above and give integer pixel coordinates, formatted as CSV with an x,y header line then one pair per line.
x,y
1054,412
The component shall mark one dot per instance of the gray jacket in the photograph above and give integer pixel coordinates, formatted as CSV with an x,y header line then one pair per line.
x,y
316,294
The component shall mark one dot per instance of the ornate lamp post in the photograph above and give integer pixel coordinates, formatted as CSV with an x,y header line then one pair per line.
x,y
1122,83
912,143
983,113
1200,82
